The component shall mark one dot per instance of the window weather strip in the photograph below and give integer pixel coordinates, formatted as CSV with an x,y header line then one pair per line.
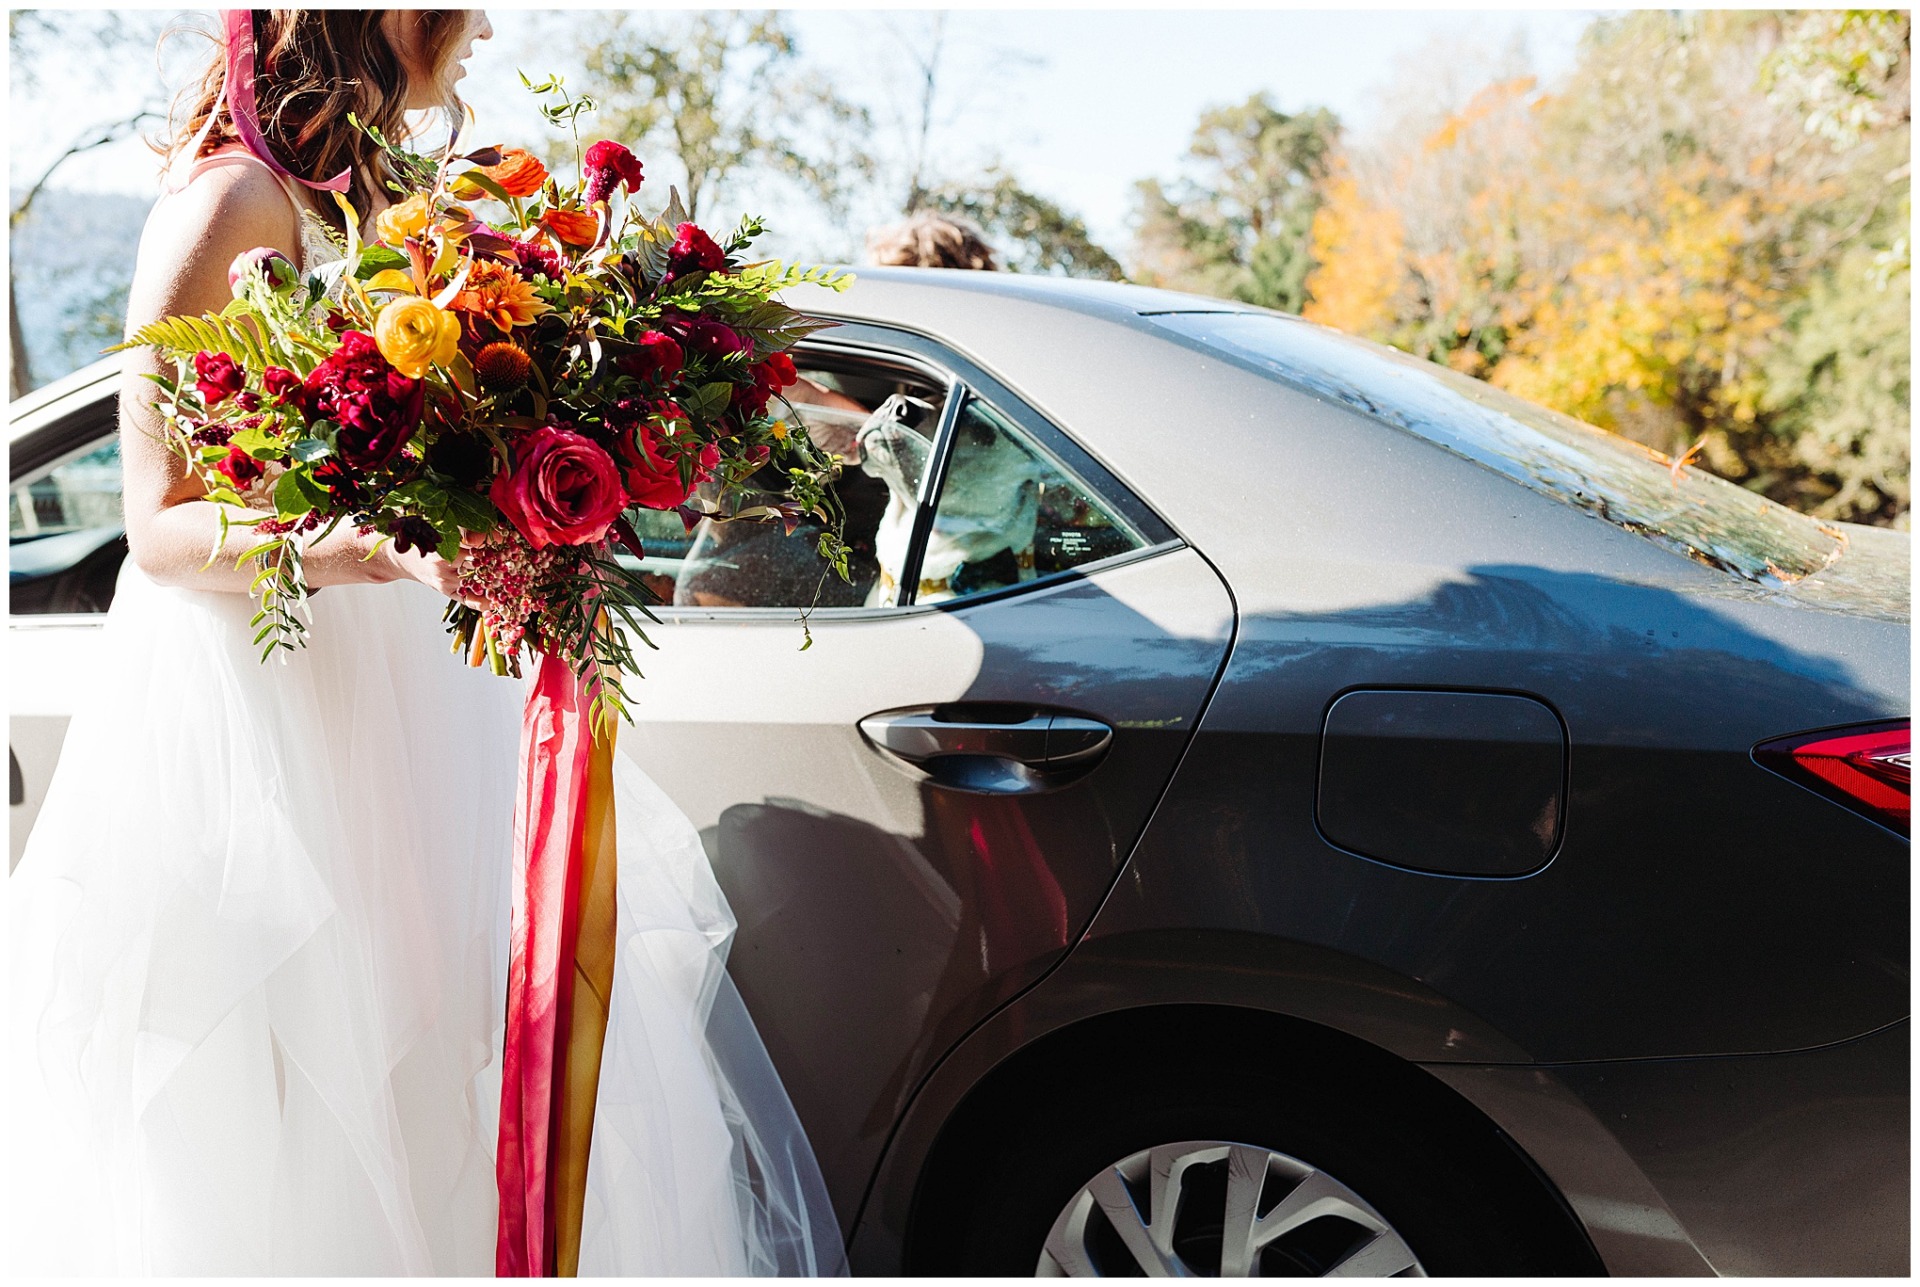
x,y
957,396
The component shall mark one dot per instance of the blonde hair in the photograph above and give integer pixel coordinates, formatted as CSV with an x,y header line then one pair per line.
x,y
317,66
931,240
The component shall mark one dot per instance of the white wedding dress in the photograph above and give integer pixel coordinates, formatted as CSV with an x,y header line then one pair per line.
x,y
259,948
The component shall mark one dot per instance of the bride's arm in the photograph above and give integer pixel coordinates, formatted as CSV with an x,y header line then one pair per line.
x,y
190,240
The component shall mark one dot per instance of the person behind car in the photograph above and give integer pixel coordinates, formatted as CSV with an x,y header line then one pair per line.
x,y
930,239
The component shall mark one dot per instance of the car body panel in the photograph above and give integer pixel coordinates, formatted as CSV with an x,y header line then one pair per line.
x,y
1762,1165
883,915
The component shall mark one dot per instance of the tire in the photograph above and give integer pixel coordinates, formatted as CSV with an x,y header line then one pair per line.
x,y
1444,1183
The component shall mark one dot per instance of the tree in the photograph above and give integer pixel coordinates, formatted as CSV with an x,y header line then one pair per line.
x,y
1039,236
724,92
31,35
1698,237
1239,223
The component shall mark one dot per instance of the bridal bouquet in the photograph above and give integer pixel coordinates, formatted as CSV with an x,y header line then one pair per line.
x,y
510,384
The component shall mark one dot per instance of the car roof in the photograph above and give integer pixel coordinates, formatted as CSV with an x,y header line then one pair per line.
x,y
23,413
902,294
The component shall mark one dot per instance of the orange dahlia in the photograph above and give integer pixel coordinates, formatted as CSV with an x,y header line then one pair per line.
x,y
495,293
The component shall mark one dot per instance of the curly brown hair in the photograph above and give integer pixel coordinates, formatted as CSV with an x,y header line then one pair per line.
x,y
315,67
931,240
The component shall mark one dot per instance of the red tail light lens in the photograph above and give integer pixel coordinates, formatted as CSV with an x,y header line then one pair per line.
x,y
1868,768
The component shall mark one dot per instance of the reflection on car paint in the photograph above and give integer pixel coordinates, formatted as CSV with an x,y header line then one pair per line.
x,y
1688,510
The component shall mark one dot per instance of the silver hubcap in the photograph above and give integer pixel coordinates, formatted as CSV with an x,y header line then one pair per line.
x,y
1207,1208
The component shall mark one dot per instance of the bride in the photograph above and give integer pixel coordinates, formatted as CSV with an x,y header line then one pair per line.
x,y
259,933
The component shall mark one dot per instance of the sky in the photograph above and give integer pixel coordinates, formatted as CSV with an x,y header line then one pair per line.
x,y
1080,104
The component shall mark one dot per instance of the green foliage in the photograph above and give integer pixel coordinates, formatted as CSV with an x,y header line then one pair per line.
x,y
210,333
1239,224
722,91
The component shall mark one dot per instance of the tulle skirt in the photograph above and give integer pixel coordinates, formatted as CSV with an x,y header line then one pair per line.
x,y
258,952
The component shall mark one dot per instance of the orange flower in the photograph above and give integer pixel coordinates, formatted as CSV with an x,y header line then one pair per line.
x,y
519,172
574,227
495,293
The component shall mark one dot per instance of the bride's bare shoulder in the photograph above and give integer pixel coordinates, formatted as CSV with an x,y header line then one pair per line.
x,y
192,235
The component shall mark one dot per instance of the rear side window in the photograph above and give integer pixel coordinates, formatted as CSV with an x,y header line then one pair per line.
x,y
1697,514
1009,512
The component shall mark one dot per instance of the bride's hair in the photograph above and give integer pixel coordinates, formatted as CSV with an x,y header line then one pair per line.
x,y
315,66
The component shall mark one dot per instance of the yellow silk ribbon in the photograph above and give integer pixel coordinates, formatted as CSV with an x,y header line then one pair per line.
x,y
587,1024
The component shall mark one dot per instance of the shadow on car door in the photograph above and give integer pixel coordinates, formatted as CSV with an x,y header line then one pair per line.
x,y
885,908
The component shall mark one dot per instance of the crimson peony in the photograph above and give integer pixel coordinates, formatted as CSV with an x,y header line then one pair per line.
x,y
375,408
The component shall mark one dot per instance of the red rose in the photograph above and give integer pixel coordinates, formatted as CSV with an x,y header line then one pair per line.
x,y
779,370
279,382
608,165
650,452
659,358
220,377
564,489
375,408
240,468
693,251
769,377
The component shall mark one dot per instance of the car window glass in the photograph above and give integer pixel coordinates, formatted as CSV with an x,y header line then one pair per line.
x,y
1687,510
81,492
65,534
845,399
1009,512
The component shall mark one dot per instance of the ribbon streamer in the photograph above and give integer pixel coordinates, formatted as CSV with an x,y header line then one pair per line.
x,y
241,106
559,976
237,96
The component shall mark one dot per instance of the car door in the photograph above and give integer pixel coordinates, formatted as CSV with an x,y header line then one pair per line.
x,y
65,543
917,814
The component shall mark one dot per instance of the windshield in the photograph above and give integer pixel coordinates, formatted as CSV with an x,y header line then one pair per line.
x,y
1692,512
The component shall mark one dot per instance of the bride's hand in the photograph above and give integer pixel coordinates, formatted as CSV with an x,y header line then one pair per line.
x,y
429,569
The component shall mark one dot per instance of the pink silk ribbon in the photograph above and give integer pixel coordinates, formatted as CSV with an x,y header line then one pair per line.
x,y
549,819
241,106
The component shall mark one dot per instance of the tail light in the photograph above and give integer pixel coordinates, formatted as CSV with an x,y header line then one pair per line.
x,y
1868,768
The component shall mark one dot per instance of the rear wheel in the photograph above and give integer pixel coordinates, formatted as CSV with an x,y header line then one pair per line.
x,y
1182,1166
1213,1209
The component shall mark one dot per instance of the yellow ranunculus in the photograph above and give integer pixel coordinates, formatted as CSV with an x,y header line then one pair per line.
x,y
414,333
404,219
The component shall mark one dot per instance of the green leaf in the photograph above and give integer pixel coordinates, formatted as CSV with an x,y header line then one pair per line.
x,y
709,399
474,513
258,443
374,259
289,497
307,450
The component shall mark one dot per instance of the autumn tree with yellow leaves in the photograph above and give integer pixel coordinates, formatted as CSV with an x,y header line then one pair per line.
x,y
1698,238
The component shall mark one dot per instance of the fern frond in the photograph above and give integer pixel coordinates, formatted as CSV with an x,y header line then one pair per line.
x,y
179,337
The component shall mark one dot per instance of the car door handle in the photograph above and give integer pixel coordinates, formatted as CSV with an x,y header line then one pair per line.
x,y
1043,740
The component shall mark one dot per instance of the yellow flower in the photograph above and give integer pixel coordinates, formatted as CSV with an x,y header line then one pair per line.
x,y
413,334
404,219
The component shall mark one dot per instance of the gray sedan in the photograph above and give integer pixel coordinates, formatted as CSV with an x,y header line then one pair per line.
x,y
1264,804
